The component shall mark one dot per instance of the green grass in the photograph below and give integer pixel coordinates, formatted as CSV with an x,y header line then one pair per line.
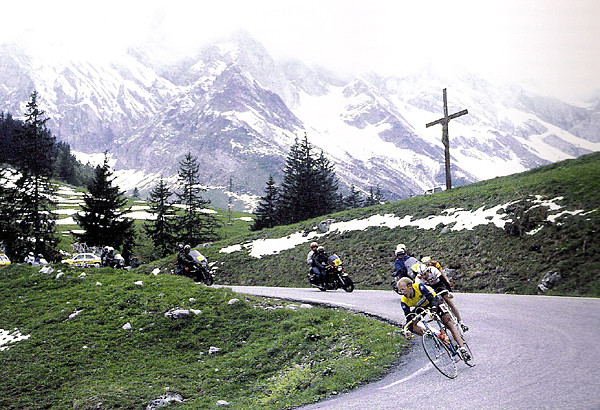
x,y
271,356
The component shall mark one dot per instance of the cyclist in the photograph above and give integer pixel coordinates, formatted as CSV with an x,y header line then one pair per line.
x,y
435,278
417,296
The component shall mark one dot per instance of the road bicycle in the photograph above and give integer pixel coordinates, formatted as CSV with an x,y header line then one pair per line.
x,y
439,344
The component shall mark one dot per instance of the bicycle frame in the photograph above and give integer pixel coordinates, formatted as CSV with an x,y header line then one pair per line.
x,y
428,319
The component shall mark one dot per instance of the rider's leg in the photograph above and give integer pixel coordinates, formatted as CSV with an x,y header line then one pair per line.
x,y
450,326
452,307
416,329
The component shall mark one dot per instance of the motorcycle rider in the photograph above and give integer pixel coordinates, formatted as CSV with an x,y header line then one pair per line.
x,y
184,259
417,296
438,281
400,269
312,270
319,263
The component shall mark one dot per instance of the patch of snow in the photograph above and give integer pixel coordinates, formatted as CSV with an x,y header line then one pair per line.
x,y
7,337
456,218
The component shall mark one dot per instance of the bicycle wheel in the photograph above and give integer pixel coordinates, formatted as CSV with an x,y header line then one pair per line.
x,y
471,361
439,355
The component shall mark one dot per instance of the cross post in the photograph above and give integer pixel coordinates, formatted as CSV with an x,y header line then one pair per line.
x,y
445,139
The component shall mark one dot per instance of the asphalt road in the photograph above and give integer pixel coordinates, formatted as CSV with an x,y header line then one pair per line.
x,y
532,352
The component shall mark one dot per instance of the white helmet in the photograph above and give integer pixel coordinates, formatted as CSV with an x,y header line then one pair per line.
x,y
400,249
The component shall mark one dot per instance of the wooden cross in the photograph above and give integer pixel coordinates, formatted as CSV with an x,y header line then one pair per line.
x,y
445,139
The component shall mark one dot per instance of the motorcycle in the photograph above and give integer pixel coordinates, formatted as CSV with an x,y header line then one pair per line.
x,y
335,277
198,270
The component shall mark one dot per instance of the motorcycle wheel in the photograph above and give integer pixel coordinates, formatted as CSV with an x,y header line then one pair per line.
x,y
209,280
347,284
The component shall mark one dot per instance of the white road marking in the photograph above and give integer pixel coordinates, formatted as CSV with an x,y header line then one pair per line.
x,y
415,374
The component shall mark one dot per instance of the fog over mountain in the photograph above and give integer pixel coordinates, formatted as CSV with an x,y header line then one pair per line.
x,y
238,110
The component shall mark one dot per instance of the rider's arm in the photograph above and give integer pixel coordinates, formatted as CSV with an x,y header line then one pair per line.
x,y
399,268
433,300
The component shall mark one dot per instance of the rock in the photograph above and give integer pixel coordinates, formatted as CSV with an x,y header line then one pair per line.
x,y
177,313
213,350
47,270
549,280
139,283
127,326
156,271
74,314
59,275
222,403
82,275
98,284
164,400
192,300
306,306
232,301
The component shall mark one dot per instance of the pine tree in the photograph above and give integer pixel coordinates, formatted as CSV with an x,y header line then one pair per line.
x,y
9,234
309,187
266,212
354,199
372,198
34,206
102,217
162,229
196,226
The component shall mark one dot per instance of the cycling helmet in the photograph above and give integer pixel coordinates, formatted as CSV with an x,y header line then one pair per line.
x,y
313,245
400,249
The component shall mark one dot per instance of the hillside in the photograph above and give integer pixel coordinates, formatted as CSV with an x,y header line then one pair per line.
x,y
500,235
112,339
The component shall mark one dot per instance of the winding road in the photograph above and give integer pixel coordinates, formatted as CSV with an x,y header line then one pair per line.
x,y
532,352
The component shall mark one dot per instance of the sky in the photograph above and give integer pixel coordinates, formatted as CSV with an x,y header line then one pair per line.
x,y
550,46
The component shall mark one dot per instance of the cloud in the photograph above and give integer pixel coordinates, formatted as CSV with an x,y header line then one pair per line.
x,y
550,45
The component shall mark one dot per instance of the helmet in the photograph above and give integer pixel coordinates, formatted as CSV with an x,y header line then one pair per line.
x,y
106,248
187,248
426,259
400,249
313,245
320,249
180,247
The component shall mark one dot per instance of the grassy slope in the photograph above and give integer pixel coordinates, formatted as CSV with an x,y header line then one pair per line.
x,y
271,356
486,258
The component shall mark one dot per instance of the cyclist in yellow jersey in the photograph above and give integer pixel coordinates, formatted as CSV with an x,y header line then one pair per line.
x,y
419,295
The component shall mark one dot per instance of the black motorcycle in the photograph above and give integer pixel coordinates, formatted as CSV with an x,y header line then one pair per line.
x,y
197,269
335,277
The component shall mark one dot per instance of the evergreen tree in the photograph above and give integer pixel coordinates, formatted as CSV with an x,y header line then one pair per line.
x,y
36,221
375,197
266,212
309,187
102,217
195,225
326,200
9,234
162,229
354,199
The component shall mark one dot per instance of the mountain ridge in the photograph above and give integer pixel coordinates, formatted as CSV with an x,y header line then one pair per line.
x,y
239,111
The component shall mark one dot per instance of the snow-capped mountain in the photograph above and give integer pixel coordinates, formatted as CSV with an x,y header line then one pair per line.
x,y
238,111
